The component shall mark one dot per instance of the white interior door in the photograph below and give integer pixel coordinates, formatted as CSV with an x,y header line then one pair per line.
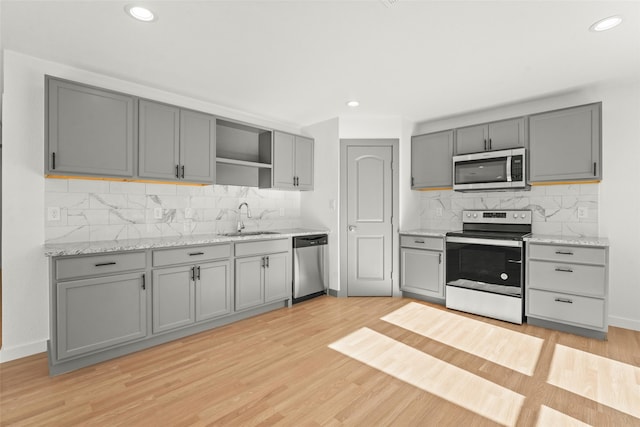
x,y
369,222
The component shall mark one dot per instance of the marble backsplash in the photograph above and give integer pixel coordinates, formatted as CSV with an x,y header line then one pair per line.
x,y
104,210
555,208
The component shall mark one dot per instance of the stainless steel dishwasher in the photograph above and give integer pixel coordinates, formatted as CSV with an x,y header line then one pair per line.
x,y
309,266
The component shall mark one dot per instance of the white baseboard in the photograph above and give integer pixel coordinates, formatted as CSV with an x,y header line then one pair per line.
x,y
623,322
12,353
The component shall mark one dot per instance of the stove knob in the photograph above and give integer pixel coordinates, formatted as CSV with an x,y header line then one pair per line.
x,y
523,216
468,215
515,215
475,215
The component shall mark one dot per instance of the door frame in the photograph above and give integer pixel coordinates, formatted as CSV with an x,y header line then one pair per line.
x,y
394,143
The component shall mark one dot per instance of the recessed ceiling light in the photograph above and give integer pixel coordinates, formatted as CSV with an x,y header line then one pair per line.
x,y
353,104
606,23
140,13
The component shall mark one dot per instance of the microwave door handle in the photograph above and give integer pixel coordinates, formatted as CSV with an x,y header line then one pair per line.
x,y
509,168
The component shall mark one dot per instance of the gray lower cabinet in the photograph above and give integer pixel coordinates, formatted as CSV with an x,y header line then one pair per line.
x,y
263,278
292,161
422,265
89,131
431,164
566,145
188,294
492,136
567,285
176,144
98,313
173,298
98,302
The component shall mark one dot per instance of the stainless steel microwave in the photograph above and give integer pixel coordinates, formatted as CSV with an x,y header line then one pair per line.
x,y
491,170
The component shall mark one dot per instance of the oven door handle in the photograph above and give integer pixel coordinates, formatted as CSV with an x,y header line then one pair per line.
x,y
514,261
486,242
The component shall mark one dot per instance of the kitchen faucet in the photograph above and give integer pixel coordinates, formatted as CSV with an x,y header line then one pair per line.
x,y
240,223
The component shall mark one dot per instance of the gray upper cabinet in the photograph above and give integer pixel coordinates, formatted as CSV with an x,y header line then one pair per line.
x,y
431,164
499,135
159,139
566,144
90,131
176,144
197,147
292,161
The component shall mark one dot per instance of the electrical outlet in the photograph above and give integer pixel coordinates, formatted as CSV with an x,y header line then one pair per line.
x,y
157,213
53,213
188,213
583,212
439,211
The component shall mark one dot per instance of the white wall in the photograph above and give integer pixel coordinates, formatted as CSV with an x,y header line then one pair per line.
x,y
322,205
619,190
25,298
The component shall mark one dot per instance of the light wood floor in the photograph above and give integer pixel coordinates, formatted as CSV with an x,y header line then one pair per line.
x,y
278,369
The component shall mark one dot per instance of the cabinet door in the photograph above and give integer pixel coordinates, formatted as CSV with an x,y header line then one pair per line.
x,y
565,145
472,139
213,289
89,131
249,282
431,163
283,160
421,272
97,313
197,147
173,298
304,163
507,134
159,134
277,282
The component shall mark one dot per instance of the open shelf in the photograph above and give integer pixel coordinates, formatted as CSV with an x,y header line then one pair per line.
x,y
227,161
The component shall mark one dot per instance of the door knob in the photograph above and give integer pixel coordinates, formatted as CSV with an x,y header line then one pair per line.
x,y
352,228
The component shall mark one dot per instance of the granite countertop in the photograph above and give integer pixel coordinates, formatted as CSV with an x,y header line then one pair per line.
x,y
568,240
425,232
81,248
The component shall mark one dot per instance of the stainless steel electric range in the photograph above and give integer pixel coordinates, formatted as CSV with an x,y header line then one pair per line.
x,y
485,264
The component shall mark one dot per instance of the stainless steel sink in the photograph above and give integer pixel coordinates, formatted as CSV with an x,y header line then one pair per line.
x,y
248,233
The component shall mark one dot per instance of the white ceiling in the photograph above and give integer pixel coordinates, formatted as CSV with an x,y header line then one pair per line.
x,y
300,61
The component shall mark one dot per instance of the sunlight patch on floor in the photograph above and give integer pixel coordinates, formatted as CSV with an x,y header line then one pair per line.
x,y
550,417
598,378
505,347
433,375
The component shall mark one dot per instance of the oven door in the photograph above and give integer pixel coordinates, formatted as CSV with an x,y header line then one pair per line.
x,y
487,265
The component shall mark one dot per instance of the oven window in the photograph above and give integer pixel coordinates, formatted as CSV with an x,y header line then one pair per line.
x,y
486,264
485,170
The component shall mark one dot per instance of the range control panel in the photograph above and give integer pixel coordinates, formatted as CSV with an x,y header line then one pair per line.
x,y
507,216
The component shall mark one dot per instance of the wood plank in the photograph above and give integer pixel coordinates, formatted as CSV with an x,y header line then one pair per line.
x,y
277,368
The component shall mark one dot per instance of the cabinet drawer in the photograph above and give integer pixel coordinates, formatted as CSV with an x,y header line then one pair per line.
x,y
262,247
570,278
82,266
421,242
568,253
555,306
195,254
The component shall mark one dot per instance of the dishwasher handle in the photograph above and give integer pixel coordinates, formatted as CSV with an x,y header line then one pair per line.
x,y
313,240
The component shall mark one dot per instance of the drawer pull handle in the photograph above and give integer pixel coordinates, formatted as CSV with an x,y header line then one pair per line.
x,y
196,253
564,270
564,253
418,241
564,300
102,264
